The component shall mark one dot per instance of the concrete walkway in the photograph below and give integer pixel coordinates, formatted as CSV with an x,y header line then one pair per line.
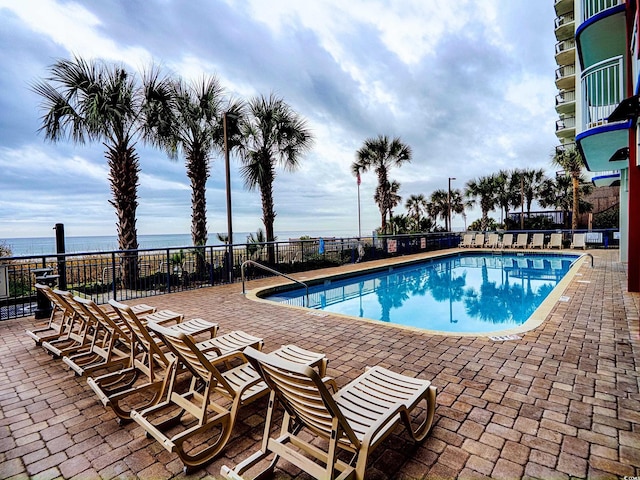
x,y
562,402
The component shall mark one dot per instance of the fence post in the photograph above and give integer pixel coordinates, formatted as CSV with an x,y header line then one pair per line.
x,y
60,250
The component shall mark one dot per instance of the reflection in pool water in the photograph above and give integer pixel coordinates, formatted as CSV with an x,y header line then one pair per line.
x,y
464,293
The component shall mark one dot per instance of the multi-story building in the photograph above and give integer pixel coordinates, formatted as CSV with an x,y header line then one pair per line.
x,y
605,104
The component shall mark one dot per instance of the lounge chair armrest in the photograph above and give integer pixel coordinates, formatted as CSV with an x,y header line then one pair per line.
x,y
227,357
330,383
382,422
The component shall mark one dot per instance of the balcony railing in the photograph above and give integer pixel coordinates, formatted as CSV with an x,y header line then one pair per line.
x,y
565,123
566,96
602,87
565,45
565,71
565,19
591,8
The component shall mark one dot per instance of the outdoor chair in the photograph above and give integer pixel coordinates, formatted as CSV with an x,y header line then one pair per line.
x,y
143,381
555,241
58,322
522,240
492,241
356,418
213,398
467,240
78,334
109,350
478,240
537,241
108,275
579,241
507,240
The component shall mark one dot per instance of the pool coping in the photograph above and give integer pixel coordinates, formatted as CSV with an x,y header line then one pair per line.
x,y
536,319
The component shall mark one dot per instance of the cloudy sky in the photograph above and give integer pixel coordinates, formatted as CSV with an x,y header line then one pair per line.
x,y
469,85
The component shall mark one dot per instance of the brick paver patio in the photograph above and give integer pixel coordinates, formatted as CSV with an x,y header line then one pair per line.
x,y
562,402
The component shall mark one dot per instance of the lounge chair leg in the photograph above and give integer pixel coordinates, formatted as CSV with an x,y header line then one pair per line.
x,y
418,434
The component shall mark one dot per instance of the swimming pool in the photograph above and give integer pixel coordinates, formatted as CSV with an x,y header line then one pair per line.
x,y
462,293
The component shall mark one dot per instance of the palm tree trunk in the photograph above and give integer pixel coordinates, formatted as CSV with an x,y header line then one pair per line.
x,y
123,177
198,173
268,218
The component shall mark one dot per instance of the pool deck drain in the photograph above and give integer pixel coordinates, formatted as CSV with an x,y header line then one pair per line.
x,y
562,402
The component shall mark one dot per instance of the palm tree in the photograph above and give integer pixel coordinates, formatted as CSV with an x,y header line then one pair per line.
x,y
528,181
558,193
438,206
94,101
457,204
388,196
271,134
380,154
506,193
416,205
193,124
482,191
570,161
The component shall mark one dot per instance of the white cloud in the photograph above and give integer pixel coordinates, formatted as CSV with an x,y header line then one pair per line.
x,y
76,29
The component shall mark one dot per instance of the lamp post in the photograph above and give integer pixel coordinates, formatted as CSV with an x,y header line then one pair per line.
x,y
449,204
227,172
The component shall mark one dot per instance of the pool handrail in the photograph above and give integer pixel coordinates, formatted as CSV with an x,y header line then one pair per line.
x,y
275,272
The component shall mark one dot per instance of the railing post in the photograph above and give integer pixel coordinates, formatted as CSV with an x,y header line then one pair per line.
x,y
113,273
60,250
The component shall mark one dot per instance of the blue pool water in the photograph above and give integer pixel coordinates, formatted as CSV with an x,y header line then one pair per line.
x,y
471,293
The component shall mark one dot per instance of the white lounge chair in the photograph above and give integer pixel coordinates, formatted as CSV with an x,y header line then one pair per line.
x,y
555,241
537,241
467,240
493,241
522,240
507,240
478,240
579,241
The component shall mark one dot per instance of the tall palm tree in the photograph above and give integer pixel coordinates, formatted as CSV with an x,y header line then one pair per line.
x,y
416,205
507,193
482,191
388,196
87,101
193,124
558,193
272,134
438,206
528,181
457,204
570,161
380,154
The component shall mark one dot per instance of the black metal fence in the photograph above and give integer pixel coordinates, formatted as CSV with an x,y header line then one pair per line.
x,y
125,275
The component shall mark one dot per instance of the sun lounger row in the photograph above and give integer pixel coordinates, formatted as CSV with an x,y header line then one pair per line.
x,y
148,366
470,240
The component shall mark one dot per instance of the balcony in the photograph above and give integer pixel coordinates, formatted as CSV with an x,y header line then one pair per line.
x,y
566,127
563,7
591,8
566,52
566,77
601,34
602,90
565,26
606,179
566,101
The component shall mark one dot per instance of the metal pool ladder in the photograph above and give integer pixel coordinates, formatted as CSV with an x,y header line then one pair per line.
x,y
275,272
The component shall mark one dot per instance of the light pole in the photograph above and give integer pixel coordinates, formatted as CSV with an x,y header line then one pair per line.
x,y
449,203
227,172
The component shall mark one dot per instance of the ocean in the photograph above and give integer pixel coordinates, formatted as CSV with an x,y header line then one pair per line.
x,y
47,245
